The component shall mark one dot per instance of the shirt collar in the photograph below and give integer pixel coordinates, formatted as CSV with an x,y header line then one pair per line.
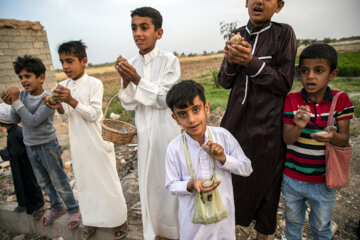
x,y
327,97
150,56
255,30
191,141
83,78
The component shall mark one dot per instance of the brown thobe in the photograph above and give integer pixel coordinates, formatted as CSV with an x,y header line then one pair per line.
x,y
253,116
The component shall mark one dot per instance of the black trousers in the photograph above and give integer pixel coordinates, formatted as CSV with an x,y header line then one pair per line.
x,y
27,190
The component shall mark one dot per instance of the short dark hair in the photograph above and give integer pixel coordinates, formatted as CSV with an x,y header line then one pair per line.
x,y
76,48
182,94
320,50
30,64
150,12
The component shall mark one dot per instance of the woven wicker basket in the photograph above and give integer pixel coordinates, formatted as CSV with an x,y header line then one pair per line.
x,y
111,129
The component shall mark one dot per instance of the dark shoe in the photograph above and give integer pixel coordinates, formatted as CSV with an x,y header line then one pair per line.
x,y
19,209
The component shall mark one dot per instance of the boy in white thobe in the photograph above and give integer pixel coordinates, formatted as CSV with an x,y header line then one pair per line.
x,y
146,78
187,101
101,200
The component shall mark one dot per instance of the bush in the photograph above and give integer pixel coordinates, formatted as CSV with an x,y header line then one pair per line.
x,y
214,76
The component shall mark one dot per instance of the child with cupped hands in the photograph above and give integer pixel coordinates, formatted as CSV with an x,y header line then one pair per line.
x,y
189,161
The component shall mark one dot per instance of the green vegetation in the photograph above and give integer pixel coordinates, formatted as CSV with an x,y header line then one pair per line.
x,y
115,106
65,147
217,96
352,88
348,64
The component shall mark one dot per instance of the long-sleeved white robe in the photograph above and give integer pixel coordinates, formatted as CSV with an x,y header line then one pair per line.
x,y
178,176
101,200
159,71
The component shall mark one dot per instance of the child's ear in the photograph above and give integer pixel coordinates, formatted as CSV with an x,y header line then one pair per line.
x,y
84,61
42,77
246,3
159,32
280,5
175,118
207,108
333,74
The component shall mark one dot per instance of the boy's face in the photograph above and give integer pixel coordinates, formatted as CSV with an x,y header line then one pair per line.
x,y
72,66
315,76
193,118
31,83
144,33
261,11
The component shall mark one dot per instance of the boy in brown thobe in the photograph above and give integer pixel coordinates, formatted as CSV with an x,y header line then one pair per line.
x,y
259,72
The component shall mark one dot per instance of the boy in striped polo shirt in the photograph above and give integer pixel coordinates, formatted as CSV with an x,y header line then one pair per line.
x,y
305,132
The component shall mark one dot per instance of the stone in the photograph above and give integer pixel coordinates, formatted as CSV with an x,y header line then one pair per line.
x,y
68,164
207,184
19,237
5,164
11,198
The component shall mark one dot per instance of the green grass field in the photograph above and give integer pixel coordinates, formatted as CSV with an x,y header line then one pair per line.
x,y
348,64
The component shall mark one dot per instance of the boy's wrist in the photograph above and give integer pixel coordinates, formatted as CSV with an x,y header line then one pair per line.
x,y
190,186
222,160
73,102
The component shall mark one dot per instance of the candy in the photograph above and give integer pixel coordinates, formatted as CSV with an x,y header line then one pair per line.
x,y
52,101
206,148
322,132
207,184
236,39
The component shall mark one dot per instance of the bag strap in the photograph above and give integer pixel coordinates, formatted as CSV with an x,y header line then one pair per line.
x,y
332,109
188,159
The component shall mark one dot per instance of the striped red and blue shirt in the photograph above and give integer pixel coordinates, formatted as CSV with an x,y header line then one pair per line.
x,y
305,158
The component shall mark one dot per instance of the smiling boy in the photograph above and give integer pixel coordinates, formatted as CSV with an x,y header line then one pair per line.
x,y
259,73
40,139
225,156
145,80
305,118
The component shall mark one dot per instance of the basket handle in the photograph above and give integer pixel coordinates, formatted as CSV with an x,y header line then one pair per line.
x,y
109,105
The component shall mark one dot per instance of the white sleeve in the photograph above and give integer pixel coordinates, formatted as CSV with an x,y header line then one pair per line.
x,y
63,117
127,96
173,181
92,111
151,93
236,161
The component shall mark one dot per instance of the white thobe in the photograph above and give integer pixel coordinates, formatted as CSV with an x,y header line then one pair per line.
x,y
159,70
178,176
101,200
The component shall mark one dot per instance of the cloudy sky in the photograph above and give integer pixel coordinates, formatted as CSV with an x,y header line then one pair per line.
x,y
190,26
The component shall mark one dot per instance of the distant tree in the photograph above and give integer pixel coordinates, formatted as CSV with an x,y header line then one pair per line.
x,y
182,54
205,53
227,28
306,42
175,53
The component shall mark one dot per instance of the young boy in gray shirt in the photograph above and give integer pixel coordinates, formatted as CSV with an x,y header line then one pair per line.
x,y
40,139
